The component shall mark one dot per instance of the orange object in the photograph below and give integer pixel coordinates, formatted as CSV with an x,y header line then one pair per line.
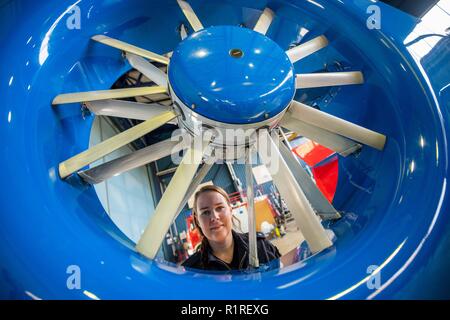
x,y
263,212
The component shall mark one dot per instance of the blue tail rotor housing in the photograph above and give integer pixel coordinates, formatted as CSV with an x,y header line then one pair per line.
x,y
395,202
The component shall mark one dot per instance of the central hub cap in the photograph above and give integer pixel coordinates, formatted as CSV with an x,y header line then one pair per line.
x,y
232,75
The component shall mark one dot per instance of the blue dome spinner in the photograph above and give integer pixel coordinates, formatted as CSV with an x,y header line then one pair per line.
x,y
232,75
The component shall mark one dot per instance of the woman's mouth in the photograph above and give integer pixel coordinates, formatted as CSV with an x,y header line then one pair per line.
x,y
215,228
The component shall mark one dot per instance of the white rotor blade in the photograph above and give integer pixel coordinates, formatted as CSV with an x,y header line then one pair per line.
x,y
332,141
264,21
190,15
130,48
107,94
307,220
252,244
147,69
126,109
303,50
183,32
94,153
336,125
167,208
131,161
328,79
201,174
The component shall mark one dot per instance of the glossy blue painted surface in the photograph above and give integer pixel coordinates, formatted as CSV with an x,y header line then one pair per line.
x,y
256,85
396,201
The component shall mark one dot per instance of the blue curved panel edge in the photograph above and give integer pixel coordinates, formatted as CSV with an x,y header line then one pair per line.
x,y
395,202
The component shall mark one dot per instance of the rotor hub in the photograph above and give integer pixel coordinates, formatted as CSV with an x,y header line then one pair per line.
x,y
230,77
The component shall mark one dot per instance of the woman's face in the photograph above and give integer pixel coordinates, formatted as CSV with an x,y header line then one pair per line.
x,y
214,216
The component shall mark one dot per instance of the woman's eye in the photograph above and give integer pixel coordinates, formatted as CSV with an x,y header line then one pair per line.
x,y
205,213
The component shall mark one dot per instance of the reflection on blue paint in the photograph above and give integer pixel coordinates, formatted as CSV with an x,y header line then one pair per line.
x,y
392,201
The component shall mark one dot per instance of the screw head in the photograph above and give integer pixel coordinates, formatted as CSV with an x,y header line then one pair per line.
x,y
236,53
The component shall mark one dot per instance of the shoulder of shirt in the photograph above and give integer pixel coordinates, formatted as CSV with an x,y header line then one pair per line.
x,y
193,261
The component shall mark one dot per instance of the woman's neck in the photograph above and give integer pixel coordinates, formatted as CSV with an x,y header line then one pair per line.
x,y
224,250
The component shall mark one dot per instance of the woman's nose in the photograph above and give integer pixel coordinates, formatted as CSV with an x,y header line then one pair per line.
x,y
215,215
